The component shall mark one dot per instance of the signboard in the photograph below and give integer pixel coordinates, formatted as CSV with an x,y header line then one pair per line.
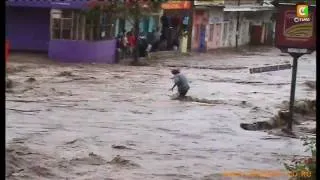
x,y
295,27
270,68
299,51
209,3
176,5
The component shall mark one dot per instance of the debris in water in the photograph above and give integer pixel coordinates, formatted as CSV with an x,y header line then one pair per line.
x,y
24,111
71,142
118,160
286,133
92,159
20,163
284,114
65,73
118,77
31,80
139,63
219,176
197,100
311,84
302,108
9,83
261,125
255,109
42,171
120,147
245,104
16,69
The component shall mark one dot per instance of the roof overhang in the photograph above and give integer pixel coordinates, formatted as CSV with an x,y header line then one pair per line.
x,y
59,4
248,8
294,4
209,6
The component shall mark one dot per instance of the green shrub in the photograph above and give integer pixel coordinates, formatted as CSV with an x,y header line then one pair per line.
x,y
304,168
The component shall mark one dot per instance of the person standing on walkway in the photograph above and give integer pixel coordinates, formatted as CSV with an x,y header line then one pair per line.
x,y
132,42
124,44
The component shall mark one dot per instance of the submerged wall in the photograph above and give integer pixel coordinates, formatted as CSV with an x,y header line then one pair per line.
x,y
83,51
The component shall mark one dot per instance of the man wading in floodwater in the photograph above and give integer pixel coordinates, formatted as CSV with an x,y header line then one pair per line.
x,y
181,81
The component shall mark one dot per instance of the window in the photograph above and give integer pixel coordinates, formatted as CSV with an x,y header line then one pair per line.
x,y
101,28
61,24
78,30
211,32
74,25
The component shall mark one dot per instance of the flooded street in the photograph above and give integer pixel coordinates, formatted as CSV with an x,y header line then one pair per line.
x,y
76,119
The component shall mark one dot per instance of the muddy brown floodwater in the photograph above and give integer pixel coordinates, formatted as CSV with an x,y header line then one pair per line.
x,y
118,122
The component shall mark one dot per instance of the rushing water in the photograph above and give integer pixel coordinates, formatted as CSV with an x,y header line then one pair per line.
x,y
71,123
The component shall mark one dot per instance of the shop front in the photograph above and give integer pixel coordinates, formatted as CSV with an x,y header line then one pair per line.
x,y
176,25
208,24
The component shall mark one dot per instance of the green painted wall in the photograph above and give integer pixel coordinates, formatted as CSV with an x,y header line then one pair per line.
x,y
146,25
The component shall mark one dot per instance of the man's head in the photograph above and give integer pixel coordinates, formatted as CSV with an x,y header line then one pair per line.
x,y
175,71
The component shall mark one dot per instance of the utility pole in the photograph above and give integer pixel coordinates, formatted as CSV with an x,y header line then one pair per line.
x,y
238,24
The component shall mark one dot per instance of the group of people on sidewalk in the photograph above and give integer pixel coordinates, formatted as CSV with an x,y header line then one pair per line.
x,y
126,42
166,38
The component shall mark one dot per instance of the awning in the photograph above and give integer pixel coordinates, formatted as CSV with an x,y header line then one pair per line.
x,y
176,5
247,8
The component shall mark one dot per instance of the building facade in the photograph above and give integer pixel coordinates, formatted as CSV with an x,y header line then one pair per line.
x,y
207,25
60,29
231,23
176,25
253,22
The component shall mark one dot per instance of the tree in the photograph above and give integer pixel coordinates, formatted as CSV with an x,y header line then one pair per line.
x,y
134,9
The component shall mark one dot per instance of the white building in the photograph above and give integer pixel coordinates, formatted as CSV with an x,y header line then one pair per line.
x,y
254,24
224,18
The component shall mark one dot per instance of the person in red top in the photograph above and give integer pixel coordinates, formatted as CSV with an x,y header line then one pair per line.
x,y
132,41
